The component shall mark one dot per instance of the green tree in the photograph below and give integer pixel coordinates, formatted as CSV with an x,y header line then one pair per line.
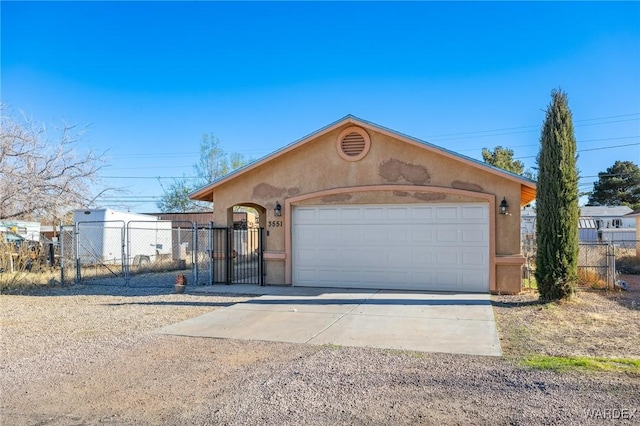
x,y
503,158
619,185
176,198
214,163
557,203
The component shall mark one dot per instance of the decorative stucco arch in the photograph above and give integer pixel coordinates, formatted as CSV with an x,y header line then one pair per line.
x,y
261,210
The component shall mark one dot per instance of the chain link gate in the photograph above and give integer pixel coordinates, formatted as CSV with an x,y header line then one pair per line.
x,y
597,265
157,250
100,252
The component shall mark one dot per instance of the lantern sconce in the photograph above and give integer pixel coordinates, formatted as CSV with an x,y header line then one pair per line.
x,y
277,210
504,207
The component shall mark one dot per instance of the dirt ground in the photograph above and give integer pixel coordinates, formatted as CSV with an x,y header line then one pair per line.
x,y
594,323
88,355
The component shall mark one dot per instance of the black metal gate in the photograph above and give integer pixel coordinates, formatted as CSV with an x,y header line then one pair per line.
x,y
246,256
237,256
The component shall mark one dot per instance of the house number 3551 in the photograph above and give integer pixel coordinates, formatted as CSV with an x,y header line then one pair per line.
x,y
275,223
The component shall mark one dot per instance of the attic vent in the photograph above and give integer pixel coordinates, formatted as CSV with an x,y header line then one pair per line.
x,y
353,143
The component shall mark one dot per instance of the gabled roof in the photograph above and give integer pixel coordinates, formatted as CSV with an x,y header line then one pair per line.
x,y
634,213
528,187
605,211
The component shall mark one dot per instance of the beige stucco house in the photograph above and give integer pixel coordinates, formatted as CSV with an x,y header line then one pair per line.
x,y
362,206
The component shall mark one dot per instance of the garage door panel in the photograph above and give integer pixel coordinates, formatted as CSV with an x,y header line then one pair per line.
x,y
327,214
309,257
422,234
399,235
445,214
447,278
471,280
348,236
401,257
307,234
423,256
370,214
305,215
447,235
398,213
413,247
374,276
421,214
473,259
350,215
375,235
325,256
477,214
448,258
376,255
474,235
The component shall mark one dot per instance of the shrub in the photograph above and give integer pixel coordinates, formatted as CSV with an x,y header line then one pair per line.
x,y
629,264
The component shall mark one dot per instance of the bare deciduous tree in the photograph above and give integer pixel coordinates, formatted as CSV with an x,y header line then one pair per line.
x,y
42,174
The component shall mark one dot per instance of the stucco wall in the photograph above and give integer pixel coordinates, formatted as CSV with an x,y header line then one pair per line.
x,y
316,166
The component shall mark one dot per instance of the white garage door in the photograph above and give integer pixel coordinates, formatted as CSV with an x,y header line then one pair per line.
x,y
441,247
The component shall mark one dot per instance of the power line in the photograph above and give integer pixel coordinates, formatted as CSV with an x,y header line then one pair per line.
x,y
578,142
507,131
590,149
615,146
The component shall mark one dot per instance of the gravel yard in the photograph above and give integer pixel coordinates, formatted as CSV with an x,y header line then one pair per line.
x,y
87,355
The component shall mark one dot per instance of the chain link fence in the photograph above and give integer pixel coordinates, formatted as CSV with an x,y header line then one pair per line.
x,y
596,262
151,253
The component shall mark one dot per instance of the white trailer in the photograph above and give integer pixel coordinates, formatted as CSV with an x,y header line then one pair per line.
x,y
112,237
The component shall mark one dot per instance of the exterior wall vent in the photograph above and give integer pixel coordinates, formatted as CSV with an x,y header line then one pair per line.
x,y
353,143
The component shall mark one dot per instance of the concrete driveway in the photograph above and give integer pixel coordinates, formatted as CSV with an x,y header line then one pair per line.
x,y
404,320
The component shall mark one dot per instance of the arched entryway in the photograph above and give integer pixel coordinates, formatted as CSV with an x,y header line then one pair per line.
x,y
245,244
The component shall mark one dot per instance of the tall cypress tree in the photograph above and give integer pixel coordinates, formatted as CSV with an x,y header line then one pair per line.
x,y
557,203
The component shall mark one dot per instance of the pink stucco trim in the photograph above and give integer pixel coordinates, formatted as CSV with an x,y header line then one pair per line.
x,y
273,255
489,198
510,260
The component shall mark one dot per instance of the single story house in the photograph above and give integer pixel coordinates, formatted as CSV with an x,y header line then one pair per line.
x,y
358,205
595,224
609,216
612,224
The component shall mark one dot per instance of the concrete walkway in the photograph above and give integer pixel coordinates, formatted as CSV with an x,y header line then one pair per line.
x,y
405,320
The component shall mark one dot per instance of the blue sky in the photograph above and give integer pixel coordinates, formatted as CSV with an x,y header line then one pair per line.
x,y
150,78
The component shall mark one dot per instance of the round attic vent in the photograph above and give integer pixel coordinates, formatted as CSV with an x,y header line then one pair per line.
x,y
353,143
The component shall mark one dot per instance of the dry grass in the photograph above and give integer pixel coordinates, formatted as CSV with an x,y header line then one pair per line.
x,y
627,262
591,278
593,324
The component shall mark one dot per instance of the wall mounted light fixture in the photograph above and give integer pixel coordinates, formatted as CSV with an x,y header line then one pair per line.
x,y
504,207
277,210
